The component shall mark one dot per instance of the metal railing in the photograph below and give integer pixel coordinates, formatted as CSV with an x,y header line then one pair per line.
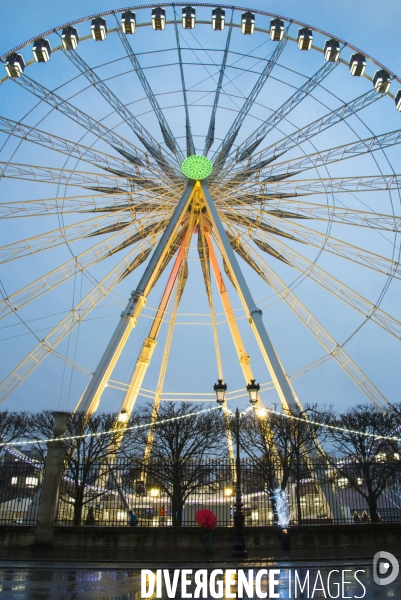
x,y
161,494
111,492
20,485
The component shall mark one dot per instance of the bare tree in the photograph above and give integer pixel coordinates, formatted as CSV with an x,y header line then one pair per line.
x,y
281,444
182,447
13,426
369,464
91,459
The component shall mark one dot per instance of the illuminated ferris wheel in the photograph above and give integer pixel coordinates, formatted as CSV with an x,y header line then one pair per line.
x,y
256,150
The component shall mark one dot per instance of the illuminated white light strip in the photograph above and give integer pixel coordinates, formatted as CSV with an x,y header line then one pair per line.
x,y
287,416
101,433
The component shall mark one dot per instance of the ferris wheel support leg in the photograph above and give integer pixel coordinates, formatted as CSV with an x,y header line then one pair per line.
x,y
243,356
254,314
150,342
91,397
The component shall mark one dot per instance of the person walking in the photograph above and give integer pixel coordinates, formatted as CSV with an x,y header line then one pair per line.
x,y
162,515
207,520
133,519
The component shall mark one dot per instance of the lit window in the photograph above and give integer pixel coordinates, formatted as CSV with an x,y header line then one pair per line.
x,y
31,481
14,480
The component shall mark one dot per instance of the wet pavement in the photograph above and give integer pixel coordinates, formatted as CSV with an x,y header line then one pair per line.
x,y
45,580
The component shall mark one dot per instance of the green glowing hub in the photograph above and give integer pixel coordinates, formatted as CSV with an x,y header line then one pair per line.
x,y
196,167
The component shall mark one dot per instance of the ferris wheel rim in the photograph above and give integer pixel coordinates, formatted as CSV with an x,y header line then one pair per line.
x,y
203,5
196,4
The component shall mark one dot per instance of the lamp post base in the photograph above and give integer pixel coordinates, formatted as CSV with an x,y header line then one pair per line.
x,y
239,547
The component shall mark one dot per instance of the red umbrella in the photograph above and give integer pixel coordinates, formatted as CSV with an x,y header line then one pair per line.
x,y
206,518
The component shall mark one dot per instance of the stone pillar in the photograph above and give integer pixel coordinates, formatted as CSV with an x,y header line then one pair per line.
x,y
51,482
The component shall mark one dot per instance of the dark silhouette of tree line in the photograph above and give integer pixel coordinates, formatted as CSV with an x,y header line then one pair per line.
x,y
186,448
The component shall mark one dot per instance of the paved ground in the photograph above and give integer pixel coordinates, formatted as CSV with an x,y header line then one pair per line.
x,y
43,580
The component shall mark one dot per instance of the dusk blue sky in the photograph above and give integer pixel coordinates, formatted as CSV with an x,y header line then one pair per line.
x,y
192,366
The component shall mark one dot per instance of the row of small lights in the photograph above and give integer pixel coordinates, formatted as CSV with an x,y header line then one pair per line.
x,y
41,49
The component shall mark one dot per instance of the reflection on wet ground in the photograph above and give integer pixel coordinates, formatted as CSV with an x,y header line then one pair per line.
x,y
19,581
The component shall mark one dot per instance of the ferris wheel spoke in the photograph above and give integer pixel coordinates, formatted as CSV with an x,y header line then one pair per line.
x,y
306,133
168,135
210,132
79,117
224,149
246,149
334,286
137,204
252,258
326,157
188,132
111,184
142,134
296,209
64,328
322,241
114,243
69,233
321,158
81,152
328,185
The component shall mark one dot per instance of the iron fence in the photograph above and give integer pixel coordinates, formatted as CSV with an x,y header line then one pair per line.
x,y
162,494
20,485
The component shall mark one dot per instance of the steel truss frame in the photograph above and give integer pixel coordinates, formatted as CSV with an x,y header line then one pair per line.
x,y
197,194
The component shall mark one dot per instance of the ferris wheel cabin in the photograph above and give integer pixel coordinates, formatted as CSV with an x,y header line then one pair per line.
x,y
332,50
14,65
41,50
357,65
397,100
70,38
188,17
218,18
276,30
99,29
248,23
158,18
305,38
381,81
128,22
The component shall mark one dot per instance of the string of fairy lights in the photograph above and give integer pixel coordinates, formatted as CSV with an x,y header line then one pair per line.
x,y
261,412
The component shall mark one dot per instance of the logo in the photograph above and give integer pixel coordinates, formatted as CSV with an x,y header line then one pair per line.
x,y
385,563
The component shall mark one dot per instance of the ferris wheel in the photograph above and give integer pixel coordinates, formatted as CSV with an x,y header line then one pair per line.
x,y
196,154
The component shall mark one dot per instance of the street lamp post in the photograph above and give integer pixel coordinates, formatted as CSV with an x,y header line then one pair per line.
x,y
239,547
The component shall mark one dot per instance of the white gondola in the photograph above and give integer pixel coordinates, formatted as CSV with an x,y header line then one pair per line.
x,y
276,30
381,81
248,23
305,38
41,50
70,38
397,100
357,65
14,65
158,18
99,29
188,17
128,22
218,18
332,50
